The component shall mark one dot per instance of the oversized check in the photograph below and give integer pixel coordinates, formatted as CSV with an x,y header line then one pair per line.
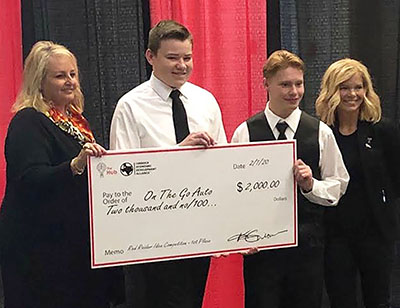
x,y
161,204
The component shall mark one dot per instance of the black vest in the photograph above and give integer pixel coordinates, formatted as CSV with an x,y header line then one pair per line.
x,y
310,215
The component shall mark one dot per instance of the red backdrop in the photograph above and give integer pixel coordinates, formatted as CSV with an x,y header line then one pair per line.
x,y
11,68
229,51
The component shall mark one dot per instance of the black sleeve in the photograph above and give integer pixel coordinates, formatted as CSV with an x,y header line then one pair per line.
x,y
31,160
390,137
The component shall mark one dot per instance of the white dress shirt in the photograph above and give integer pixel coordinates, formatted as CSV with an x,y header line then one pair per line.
x,y
334,176
143,116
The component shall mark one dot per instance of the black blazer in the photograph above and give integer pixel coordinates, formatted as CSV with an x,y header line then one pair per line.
x,y
44,223
379,148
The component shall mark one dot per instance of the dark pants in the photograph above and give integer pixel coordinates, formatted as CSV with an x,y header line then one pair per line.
x,y
370,257
33,281
176,284
284,278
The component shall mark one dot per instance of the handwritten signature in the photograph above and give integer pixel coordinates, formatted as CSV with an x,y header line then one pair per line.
x,y
252,236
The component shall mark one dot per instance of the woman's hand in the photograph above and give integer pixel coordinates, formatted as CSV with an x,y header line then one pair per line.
x,y
78,164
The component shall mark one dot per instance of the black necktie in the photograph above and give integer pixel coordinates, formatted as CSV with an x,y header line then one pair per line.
x,y
281,127
179,116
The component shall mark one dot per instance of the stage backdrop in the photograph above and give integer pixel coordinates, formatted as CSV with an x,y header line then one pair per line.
x,y
10,72
229,51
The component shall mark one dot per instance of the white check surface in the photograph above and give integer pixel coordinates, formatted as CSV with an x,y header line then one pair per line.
x,y
161,204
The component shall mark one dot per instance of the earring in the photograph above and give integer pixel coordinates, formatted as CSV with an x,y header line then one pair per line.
x,y
41,95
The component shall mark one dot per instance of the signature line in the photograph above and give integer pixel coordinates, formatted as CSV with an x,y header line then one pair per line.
x,y
252,236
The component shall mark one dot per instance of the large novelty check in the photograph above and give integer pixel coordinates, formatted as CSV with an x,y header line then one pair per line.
x,y
160,204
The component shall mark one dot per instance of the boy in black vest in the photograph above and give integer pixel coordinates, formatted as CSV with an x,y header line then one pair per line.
x,y
293,277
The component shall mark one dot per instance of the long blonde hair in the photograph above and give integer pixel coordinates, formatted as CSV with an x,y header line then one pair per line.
x,y
35,70
329,97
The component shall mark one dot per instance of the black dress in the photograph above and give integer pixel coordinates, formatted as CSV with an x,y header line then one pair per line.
x,y
44,224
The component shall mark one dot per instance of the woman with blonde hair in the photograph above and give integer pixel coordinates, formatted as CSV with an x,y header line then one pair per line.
x,y
361,230
45,257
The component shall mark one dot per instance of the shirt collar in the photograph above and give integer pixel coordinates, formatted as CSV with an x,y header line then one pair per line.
x,y
164,90
292,120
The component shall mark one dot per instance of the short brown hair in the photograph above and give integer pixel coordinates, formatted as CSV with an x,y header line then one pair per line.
x,y
279,60
167,29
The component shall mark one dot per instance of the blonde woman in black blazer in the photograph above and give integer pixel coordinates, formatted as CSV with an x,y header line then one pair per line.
x,y
361,230
44,219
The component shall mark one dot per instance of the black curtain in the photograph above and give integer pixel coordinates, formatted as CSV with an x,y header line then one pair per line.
x,y
273,26
107,37
318,31
374,40
323,31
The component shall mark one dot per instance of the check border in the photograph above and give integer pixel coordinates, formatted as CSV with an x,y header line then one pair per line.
x,y
188,255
